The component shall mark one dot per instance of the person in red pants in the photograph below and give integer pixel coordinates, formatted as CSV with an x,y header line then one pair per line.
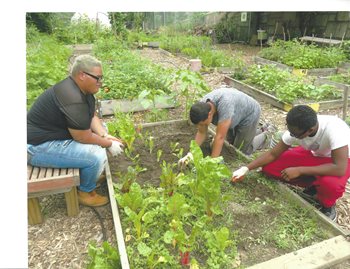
x,y
313,153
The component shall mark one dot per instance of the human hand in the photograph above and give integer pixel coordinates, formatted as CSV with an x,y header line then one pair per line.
x,y
116,148
239,174
183,162
113,138
290,173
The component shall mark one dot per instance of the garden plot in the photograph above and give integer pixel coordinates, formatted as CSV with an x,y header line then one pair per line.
x,y
284,105
300,58
318,72
187,221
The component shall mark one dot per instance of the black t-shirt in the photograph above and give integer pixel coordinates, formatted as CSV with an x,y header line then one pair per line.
x,y
60,107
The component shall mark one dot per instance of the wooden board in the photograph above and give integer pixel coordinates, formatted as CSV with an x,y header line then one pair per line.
x,y
116,220
263,61
108,107
321,255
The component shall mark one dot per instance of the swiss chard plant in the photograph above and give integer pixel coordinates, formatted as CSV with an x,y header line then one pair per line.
x,y
106,256
123,127
169,178
208,175
135,207
129,177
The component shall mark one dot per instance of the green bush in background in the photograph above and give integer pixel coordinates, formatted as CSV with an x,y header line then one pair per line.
x,y
303,56
47,63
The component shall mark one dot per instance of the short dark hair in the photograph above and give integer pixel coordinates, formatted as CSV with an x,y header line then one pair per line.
x,y
302,116
199,112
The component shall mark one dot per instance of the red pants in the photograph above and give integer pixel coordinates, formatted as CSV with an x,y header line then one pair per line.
x,y
329,188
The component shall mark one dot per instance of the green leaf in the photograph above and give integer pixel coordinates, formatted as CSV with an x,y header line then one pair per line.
x,y
143,249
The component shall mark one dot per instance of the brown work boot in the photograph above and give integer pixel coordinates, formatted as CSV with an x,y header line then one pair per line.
x,y
92,198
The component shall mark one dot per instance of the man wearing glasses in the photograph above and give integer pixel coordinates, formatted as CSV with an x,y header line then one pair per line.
x,y
63,130
321,162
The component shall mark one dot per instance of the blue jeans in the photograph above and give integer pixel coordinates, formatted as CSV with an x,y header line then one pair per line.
x,y
90,159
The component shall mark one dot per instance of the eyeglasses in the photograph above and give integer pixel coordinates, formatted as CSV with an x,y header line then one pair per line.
x,y
98,79
299,135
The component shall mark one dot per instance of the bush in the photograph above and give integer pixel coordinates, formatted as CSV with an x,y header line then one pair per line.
x,y
44,68
302,56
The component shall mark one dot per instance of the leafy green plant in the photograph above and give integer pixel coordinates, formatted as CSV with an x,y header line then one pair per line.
x,y
129,177
123,126
347,120
191,85
126,73
286,86
148,99
176,151
217,242
209,173
43,68
341,77
135,207
168,178
300,55
106,256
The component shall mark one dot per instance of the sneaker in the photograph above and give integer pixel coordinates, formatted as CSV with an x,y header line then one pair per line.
x,y
310,192
268,127
330,212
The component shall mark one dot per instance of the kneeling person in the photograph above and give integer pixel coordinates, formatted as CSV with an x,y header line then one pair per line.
x,y
321,162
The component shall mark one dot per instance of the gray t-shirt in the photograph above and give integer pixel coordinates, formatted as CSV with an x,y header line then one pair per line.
x,y
232,104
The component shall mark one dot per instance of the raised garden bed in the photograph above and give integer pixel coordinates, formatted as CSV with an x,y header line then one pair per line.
x,y
344,87
264,220
318,72
261,95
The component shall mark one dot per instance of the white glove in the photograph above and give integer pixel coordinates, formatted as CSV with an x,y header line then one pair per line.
x,y
116,148
183,162
239,174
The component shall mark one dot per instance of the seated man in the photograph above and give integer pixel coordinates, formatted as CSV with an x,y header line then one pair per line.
x,y
236,116
320,163
64,132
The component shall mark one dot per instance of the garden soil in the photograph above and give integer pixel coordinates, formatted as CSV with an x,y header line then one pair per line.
x,y
62,241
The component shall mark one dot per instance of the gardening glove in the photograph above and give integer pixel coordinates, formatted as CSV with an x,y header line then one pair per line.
x,y
116,148
183,162
239,174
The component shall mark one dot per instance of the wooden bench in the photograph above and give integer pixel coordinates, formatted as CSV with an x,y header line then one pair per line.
x,y
46,181
327,41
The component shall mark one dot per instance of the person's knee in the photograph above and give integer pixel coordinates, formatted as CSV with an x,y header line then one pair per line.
x,y
97,154
331,184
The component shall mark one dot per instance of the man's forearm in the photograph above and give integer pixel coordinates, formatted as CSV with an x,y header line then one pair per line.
x,y
328,169
217,147
262,160
97,127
